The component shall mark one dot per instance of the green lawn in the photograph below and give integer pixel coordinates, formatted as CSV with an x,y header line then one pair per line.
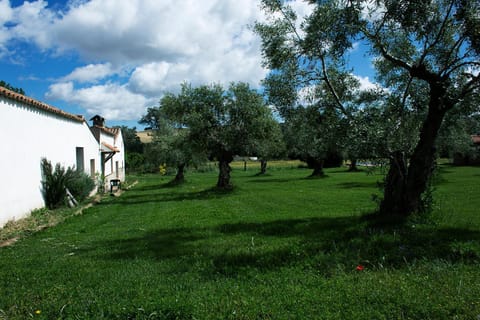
x,y
277,247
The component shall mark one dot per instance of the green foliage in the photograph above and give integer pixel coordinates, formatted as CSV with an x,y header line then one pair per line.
x,y
12,88
79,183
53,184
131,141
171,142
426,54
315,135
134,158
210,122
56,180
135,162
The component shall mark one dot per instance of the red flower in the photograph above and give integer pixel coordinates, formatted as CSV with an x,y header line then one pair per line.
x,y
359,267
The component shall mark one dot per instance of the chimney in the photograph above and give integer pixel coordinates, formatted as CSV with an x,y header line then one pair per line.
x,y
98,121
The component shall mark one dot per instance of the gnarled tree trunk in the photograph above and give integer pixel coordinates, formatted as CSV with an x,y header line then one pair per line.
x,y
404,185
394,188
224,171
180,176
317,166
263,166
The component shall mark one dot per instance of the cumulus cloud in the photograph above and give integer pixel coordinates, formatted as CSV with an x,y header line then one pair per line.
x,y
366,83
160,43
5,11
113,101
153,77
90,73
5,15
32,22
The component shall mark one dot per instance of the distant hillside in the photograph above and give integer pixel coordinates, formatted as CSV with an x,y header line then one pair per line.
x,y
145,136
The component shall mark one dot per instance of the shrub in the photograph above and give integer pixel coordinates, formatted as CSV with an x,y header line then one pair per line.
x,y
79,183
53,184
55,181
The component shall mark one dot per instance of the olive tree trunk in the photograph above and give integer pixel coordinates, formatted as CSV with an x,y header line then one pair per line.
x,y
317,166
224,171
263,166
406,182
180,176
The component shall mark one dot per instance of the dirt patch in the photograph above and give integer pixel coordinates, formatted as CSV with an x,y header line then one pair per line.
x,y
9,242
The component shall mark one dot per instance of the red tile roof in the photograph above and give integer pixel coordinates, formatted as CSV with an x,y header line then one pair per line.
x,y
110,131
39,105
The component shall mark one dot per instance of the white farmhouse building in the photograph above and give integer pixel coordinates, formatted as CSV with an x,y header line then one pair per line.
x,y
112,155
32,130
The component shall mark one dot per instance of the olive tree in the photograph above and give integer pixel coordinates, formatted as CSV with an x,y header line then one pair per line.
x,y
427,53
222,123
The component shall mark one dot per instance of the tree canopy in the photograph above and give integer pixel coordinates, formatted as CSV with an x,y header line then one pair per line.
x,y
221,123
12,88
426,53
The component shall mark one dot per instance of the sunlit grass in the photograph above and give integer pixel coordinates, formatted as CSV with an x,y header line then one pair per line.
x,y
279,246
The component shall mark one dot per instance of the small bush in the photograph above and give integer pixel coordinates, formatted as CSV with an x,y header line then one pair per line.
x,y
79,183
53,184
55,181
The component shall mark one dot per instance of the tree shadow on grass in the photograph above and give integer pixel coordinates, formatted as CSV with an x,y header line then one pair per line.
x,y
267,179
159,245
325,245
175,195
158,186
353,185
329,243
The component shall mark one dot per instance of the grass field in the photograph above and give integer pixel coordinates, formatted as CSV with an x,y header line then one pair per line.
x,y
279,246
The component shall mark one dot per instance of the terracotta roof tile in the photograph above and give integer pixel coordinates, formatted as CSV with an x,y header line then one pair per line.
x,y
39,105
110,131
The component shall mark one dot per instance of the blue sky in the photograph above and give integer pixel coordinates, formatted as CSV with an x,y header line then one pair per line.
x,y
118,57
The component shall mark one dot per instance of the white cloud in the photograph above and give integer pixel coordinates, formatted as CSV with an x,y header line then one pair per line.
x,y
6,14
6,11
61,91
366,84
372,11
160,43
301,8
155,77
90,73
112,101
145,31
32,22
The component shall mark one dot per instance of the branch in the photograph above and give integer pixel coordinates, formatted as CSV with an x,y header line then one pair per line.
x,y
455,48
332,89
394,60
292,25
405,94
460,65
439,34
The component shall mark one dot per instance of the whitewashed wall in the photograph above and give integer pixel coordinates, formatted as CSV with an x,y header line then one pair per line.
x,y
28,134
110,165
120,156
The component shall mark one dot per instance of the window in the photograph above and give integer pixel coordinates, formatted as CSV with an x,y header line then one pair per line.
x,y
80,159
92,168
